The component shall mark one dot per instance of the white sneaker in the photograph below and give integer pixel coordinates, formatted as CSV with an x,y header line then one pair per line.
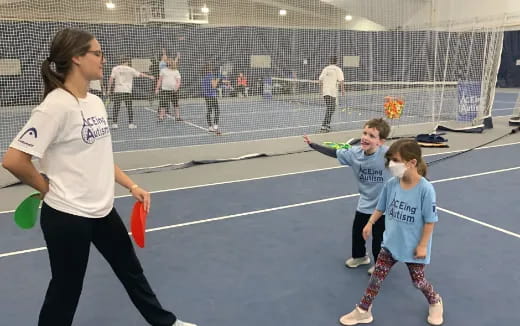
x,y
211,129
215,127
371,270
435,313
132,126
183,323
356,262
115,126
357,316
325,129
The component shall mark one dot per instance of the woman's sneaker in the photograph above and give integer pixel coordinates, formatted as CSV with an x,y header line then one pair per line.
x,y
356,262
435,313
357,316
183,323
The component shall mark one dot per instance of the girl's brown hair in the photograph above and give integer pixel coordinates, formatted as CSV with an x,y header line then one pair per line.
x,y
66,44
408,149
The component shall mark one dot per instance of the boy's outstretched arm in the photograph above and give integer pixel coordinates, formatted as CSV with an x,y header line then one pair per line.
x,y
322,149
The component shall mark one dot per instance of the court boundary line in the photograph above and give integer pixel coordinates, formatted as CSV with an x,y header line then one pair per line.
x,y
286,174
171,118
312,202
490,226
356,131
230,133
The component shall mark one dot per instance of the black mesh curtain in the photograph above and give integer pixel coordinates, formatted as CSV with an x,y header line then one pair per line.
x,y
509,72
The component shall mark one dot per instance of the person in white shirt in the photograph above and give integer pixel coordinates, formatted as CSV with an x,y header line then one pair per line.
x,y
330,77
168,86
69,133
96,88
123,78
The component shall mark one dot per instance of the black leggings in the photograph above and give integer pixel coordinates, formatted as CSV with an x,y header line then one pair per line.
x,y
212,105
68,239
127,98
358,243
330,102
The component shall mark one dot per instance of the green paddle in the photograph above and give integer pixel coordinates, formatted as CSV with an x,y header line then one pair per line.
x,y
26,213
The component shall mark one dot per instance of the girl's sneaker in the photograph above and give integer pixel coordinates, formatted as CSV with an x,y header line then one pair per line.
x,y
435,313
357,316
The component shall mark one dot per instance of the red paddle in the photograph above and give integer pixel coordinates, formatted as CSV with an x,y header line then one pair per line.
x,y
138,223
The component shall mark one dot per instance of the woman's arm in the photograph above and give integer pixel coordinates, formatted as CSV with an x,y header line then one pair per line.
x,y
139,193
21,166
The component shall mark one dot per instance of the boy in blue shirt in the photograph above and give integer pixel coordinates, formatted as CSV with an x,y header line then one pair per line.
x,y
368,164
408,200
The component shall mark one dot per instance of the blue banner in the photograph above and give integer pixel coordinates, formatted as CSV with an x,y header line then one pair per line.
x,y
469,100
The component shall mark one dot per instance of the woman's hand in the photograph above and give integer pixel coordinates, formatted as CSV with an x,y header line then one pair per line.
x,y
143,196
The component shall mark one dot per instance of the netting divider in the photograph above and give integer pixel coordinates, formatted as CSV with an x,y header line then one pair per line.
x,y
443,78
434,77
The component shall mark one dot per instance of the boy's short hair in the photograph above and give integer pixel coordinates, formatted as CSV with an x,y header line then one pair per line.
x,y
380,125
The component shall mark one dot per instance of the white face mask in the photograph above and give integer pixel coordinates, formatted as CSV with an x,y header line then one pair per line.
x,y
397,169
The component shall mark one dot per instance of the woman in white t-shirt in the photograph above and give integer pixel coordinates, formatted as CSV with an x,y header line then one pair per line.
x,y
168,86
69,133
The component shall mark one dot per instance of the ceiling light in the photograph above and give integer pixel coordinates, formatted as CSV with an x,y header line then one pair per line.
x,y
110,5
283,12
348,18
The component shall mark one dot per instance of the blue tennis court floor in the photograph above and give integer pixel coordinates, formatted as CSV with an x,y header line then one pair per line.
x,y
271,251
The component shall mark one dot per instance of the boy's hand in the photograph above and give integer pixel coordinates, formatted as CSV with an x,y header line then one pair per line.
x,y
367,231
306,139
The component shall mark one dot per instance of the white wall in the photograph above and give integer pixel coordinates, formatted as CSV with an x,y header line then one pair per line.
x,y
409,13
481,12
468,9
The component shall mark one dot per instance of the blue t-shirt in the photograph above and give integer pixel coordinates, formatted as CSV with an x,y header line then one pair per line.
x,y
406,212
370,172
207,90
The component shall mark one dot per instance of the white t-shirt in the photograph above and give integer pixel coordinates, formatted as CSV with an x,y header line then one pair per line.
x,y
124,78
171,79
330,76
72,139
95,85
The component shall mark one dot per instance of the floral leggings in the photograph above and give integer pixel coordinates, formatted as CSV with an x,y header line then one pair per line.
x,y
384,263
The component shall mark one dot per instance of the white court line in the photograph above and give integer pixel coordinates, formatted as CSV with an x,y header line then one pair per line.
x,y
186,122
226,217
260,211
496,228
294,173
194,125
477,174
235,132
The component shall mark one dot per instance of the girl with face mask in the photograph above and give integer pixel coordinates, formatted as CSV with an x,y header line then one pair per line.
x,y
408,202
